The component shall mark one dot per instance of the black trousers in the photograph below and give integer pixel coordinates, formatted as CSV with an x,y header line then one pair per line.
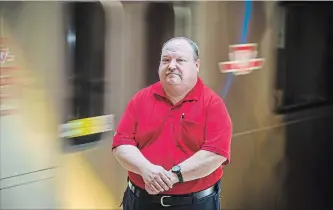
x,y
210,202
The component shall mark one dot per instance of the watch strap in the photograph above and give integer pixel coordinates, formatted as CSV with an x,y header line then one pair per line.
x,y
180,176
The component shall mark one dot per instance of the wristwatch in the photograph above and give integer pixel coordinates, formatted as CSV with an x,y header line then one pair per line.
x,y
177,171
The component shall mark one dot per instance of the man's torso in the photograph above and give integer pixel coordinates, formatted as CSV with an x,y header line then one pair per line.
x,y
168,134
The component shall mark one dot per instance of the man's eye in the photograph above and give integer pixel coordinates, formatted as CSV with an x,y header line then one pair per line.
x,y
165,59
180,60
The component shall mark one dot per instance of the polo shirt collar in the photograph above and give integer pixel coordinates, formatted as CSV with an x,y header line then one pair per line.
x,y
194,94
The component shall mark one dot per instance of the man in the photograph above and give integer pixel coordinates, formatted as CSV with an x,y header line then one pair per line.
x,y
174,137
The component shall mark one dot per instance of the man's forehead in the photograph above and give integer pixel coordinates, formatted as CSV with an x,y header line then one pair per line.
x,y
177,45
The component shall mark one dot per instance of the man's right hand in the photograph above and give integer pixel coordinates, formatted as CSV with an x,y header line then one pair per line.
x,y
155,177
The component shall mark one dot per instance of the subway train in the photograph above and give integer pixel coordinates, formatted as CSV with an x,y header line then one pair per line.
x,y
68,70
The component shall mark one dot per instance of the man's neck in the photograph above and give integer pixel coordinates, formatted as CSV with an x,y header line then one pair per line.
x,y
175,95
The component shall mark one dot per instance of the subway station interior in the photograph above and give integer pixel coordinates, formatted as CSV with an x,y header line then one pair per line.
x,y
62,62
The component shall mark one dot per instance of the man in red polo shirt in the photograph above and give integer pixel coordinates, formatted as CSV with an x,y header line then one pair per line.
x,y
174,137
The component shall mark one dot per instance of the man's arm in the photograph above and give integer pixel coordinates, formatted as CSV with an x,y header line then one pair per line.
x,y
154,176
124,146
131,158
215,150
125,150
200,165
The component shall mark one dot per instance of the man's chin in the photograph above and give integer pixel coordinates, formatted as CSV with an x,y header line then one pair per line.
x,y
173,81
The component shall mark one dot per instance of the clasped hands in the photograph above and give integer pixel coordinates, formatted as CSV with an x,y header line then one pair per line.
x,y
157,179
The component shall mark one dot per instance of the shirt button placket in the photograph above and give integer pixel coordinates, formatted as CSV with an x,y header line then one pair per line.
x,y
170,123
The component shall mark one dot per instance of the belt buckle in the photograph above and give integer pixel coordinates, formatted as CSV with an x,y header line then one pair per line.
x,y
162,198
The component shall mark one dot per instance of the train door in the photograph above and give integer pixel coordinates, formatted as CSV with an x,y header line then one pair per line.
x,y
304,74
90,175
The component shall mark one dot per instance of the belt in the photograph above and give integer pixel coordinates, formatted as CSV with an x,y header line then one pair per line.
x,y
172,200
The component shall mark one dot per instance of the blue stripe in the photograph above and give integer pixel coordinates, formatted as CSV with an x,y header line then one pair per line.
x,y
247,16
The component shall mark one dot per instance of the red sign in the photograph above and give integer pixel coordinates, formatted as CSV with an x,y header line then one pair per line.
x,y
8,81
242,60
5,55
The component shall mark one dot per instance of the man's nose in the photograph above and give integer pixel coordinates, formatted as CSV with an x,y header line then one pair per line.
x,y
172,65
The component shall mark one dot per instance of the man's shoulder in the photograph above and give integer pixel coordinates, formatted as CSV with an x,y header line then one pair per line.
x,y
210,96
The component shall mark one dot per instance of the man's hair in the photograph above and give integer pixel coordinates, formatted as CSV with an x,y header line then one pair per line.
x,y
192,43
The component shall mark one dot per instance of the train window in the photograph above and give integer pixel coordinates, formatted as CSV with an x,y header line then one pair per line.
x,y
86,42
160,27
303,56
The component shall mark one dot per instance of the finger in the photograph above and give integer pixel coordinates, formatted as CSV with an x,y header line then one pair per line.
x,y
166,179
162,183
149,190
153,189
157,185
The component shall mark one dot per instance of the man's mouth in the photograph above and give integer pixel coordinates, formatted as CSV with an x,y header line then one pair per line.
x,y
172,73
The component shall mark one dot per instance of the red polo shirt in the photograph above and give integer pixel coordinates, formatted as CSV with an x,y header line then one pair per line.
x,y
165,138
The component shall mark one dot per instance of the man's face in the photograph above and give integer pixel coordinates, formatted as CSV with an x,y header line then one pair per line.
x,y
177,65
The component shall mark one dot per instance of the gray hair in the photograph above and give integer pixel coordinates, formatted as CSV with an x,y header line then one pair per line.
x,y
192,43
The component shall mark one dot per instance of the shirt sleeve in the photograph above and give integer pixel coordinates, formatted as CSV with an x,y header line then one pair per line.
x,y
218,130
125,132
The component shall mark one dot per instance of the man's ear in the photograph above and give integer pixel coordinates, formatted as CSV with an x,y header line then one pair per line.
x,y
197,64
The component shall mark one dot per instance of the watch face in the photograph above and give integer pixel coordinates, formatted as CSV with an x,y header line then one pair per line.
x,y
176,168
